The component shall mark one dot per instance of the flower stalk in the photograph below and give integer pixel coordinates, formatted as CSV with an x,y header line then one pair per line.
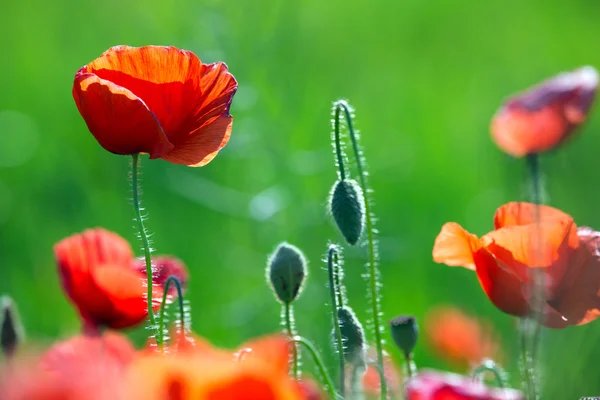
x,y
163,306
135,163
336,302
319,363
342,107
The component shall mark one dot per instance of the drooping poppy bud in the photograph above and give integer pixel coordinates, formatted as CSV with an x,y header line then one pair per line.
x,y
347,206
11,331
157,100
542,117
405,333
353,336
286,272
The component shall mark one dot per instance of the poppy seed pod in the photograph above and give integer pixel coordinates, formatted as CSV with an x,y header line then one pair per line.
x,y
286,271
347,206
353,336
405,333
11,331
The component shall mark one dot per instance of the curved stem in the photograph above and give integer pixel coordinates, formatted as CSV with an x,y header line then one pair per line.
x,y
290,330
163,306
334,290
370,228
500,381
319,363
135,161
338,144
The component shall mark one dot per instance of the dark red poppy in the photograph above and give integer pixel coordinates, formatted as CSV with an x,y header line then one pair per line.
x,y
506,259
434,385
101,277
157,100
542,117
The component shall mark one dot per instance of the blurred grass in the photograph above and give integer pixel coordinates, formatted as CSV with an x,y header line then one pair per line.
x,y
424,77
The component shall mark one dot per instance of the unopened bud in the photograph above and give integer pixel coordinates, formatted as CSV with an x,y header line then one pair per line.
x,y
286,271
353,336
347,206
405,333
11,331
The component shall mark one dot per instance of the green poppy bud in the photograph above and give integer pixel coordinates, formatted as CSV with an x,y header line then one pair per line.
x,y
286,271
353,336
11,332
347,205
405,333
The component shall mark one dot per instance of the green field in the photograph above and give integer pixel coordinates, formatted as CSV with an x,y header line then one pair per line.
x,y
425,78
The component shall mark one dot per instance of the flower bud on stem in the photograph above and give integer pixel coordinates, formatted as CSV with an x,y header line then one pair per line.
x,y
342,107
135,162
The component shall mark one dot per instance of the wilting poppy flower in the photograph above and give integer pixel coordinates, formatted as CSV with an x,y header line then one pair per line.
x,y
157,100
540,118
261,373
103,280
77,368
433,385
506,260
460,338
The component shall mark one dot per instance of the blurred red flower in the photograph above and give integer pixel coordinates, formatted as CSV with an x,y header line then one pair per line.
x,y
459,338
506,258
371,381
103,280
542,117
77,368
258,370
157,100
434,385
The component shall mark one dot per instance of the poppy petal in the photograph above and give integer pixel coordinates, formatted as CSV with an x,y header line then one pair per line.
x,y
454,246
501,286
274,350
119,120
520,213
199,148
125,290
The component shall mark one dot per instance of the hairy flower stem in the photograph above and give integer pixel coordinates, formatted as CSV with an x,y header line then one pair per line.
x,y
336,303
531,335
135,162
319,363
373,275
289,326
411,367
163,306
494,369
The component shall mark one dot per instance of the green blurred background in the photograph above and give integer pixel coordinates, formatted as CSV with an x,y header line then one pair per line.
x,y
425,78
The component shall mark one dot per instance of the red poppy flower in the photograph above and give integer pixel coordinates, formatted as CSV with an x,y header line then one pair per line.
x,y
157,100
258,370
542,117
460,338
101,277
77,368
505,261
433,385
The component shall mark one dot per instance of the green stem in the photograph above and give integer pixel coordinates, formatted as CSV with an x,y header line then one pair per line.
x,y
372,248
290,329
411,368
356,382
319,363
493,368
163,306
334,289
526,362
337,275
135,161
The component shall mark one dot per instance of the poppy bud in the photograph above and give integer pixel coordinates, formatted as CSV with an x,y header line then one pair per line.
x,y
353,336
405,333
286,271
347,206
11,331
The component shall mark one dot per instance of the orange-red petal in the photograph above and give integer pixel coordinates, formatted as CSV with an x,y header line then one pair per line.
x,y
454,246
274,350
119,120
521,213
